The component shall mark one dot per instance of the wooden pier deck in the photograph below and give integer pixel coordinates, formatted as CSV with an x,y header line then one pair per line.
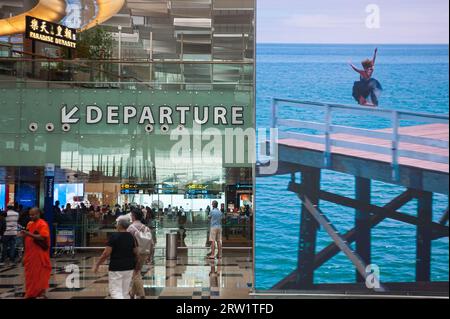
x,y
435,131
414,156
414,173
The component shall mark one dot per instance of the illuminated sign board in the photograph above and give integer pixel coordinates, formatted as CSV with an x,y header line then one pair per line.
x,y
200,191
196,187
197,192
168,189
202,195
134,189
49,32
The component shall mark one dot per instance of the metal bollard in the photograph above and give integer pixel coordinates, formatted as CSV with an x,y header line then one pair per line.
x,y
171,246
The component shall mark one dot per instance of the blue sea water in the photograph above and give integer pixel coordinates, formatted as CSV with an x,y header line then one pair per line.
x,y
415,78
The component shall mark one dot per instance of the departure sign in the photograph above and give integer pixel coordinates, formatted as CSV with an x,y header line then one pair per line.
x,y
49,32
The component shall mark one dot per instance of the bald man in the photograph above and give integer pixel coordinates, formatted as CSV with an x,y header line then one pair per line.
x,y
36,260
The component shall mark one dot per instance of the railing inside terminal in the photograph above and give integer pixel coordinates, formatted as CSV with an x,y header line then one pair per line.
x,y
91,232
25,70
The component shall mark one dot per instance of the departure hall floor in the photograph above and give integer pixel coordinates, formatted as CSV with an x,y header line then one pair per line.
x,y
188,277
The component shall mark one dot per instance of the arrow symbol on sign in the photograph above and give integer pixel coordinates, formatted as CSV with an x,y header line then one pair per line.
x,y
66,118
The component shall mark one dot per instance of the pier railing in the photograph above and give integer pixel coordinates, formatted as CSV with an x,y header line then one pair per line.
x,y
390,142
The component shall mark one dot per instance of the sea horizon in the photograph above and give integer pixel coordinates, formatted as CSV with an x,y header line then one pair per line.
x,y
355,44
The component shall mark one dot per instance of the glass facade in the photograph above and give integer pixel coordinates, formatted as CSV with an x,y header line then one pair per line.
x,y
107,115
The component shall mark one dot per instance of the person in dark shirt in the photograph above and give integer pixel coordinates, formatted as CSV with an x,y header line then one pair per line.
x,y
83,209
56,208
24,218
117,211
109,218
68,215
2,224
2,228
122,251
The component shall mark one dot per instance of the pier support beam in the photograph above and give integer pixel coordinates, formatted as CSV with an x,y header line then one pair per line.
x,y
444,219
308,229
332,250
362,223
424,237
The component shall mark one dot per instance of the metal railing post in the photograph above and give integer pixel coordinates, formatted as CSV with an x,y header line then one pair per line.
x,y
395,145
327,154
274,113
273,148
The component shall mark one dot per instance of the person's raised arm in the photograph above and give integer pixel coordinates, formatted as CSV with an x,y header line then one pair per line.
x,y
375,56
360,72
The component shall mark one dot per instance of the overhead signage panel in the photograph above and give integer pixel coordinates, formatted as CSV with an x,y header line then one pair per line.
x,y
134,189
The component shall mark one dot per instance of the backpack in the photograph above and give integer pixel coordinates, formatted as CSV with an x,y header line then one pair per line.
x,y
144,239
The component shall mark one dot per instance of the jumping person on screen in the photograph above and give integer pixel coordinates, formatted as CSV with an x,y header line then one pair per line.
x,y
367,90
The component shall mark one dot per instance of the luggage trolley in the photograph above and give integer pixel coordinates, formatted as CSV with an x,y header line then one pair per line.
x,y
65,240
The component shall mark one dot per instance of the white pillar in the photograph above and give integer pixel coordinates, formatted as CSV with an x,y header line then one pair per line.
x,y
120,52
151,56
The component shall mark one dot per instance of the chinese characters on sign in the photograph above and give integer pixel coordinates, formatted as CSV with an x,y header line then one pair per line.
x,y
49,32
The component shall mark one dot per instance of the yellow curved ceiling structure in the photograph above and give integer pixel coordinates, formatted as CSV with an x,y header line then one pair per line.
x,y
49,10
54,11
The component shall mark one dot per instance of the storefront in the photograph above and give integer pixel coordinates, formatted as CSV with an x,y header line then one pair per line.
x,y
239,197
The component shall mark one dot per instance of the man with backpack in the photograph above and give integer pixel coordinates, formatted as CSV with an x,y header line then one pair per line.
x,y
144,241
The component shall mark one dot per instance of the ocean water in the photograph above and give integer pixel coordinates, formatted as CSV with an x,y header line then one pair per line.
x,y
415,78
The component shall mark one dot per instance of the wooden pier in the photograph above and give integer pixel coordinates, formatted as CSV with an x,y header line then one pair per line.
x,y
414,156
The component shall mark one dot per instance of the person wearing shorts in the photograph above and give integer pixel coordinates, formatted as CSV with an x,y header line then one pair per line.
x,y
215,233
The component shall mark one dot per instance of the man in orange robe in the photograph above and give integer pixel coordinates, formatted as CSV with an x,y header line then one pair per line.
x,y
36,260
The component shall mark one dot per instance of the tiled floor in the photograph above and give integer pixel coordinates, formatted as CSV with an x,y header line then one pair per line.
x,y
191,276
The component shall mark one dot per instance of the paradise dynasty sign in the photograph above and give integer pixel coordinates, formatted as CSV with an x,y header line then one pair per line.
x,y
49,32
